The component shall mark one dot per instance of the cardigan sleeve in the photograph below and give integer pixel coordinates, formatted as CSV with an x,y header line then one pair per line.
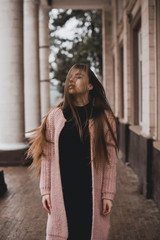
x,y
45,176
109,172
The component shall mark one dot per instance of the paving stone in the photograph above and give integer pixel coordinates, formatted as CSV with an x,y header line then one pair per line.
x,y
133,216
22,216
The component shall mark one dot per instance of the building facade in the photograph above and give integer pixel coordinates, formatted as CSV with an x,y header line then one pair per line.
x,y
133,85
131,77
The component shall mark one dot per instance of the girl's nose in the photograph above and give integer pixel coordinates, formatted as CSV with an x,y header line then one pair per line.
x,y
71,79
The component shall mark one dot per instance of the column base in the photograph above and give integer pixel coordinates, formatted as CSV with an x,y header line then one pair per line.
x,y
13,157
3,185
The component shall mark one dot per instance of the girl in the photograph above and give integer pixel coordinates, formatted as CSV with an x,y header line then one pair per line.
x,y
76,148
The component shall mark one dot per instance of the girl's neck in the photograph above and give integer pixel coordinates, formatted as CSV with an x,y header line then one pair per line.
x,y
81,101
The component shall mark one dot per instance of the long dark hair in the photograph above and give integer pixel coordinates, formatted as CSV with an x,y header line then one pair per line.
x,y
101,113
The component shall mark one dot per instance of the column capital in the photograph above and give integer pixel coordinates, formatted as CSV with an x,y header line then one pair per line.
x,y
44,13
32,1
107,5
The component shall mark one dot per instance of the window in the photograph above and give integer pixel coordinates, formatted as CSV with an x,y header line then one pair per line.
x,y
140,75
119,10
137,74
114,95
158,66
121,86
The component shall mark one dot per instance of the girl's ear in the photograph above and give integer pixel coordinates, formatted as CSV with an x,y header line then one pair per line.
x,y
90,86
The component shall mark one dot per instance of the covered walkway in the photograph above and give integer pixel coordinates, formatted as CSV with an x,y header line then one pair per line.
x,y
23,218
131,78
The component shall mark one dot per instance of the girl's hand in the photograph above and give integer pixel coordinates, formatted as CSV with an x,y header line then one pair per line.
x,y
107,206
46,202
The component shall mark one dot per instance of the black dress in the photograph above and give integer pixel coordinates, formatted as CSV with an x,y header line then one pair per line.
x,y
76,176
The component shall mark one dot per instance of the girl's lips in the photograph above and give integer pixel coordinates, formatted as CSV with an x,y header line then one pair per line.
x,y
71,86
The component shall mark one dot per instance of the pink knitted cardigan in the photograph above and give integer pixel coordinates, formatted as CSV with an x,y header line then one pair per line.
x,y
103,182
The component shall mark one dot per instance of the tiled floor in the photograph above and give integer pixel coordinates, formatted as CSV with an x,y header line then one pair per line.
x,y
21,213
22,216
133,217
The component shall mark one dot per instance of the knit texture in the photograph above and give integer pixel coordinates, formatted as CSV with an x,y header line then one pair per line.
x,y
103,181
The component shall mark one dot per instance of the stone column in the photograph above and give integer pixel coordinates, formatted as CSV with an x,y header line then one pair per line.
x,y
127,68
44,59
11,80
116,68
149,67
108,81
31,64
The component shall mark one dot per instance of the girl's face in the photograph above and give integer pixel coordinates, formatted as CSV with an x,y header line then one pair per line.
x,y
78,83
